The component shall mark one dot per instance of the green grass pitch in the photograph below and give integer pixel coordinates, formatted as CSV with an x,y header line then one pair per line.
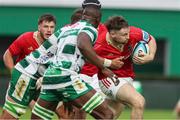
x,y
153,114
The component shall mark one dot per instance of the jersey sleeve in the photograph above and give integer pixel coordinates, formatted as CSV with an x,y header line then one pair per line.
x,y
137,34
91,31
15,47
146,36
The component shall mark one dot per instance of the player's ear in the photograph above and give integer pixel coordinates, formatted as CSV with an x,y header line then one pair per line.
x,y
112,34
39,27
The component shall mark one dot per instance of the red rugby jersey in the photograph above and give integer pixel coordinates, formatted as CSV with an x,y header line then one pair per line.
x,y
105,50
23,46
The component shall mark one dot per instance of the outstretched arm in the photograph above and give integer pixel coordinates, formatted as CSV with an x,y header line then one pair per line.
x,y
8,60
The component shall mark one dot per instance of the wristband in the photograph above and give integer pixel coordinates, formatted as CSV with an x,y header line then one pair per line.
x,y
107,62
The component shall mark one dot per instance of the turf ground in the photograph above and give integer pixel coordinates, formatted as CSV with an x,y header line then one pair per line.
x,y
148,115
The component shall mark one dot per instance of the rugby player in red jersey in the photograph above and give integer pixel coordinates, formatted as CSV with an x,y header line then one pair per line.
x,y
29,41
118,41
23,46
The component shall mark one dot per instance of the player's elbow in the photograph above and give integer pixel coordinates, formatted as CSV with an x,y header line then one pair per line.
x,y
8,60
5,56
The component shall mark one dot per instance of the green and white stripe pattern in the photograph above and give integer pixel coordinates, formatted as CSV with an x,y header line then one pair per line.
x,y
68,52
14,109
43,55
95,101
43,113
68,59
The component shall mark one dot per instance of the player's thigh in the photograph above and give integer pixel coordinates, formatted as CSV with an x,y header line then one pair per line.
x,y
43,109
51,105
45,105
94,104
110,89
20,92
79,93
21,88
49,99
128,94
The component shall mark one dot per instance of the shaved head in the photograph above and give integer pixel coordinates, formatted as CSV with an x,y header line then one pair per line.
x,y
92,15
77,15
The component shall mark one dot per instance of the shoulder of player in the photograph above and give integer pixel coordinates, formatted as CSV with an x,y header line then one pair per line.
x,y
134,29
101,27
138,34
135,33
85,24
26,35
102,42
89,29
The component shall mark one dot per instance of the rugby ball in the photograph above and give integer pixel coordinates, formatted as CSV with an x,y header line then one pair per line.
x,y
141,46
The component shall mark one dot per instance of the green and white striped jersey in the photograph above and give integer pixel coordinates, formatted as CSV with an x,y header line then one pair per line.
x,y
63,45
40,58
68,58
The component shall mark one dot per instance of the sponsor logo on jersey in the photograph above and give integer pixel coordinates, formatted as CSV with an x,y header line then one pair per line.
x,y
145,36
30,48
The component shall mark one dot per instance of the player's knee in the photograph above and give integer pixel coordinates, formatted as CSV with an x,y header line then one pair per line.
x,y
108,114
139,102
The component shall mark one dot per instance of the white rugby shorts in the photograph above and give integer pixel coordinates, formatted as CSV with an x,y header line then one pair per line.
x,y
110,88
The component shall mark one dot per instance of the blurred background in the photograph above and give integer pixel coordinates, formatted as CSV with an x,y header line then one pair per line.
x,y
160,79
